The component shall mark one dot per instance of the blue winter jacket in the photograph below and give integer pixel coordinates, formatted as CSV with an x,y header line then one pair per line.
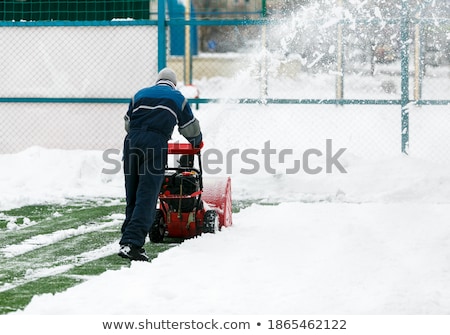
x,y
159,108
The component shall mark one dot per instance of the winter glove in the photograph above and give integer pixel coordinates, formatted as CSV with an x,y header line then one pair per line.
x,y
196,142
127,123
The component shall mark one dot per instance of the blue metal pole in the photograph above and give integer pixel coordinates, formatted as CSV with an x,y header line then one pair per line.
x,y
162,53
340,56
404,52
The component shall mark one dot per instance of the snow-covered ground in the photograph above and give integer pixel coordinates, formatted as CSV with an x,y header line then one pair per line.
x,y
294,258
373,240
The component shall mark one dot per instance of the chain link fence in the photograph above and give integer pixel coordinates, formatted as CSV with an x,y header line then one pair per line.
x,y
312,73
61,72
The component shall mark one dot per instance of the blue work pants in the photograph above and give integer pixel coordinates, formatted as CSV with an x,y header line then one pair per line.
x,y
145,155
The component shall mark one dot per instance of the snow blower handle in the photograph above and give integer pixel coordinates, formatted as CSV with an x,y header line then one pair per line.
x,y
184,149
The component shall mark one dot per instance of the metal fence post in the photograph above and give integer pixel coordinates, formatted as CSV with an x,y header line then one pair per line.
x,y
162,56
404,54
187,44
418,60
264,84
340,55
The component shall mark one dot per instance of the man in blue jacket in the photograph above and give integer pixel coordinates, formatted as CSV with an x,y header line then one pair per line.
x,y
151,118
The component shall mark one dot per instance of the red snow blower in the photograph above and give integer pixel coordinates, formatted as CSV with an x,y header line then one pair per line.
x,y
188,205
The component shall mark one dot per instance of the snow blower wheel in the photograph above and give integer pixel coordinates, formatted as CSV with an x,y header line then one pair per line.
x,y
158,229
210,222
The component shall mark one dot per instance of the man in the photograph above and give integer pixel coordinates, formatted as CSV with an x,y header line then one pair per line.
x,y
152,115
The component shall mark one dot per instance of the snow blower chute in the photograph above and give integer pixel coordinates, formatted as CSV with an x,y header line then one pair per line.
x,y
188,205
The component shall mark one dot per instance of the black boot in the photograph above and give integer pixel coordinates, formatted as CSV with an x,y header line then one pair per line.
x,y
133,253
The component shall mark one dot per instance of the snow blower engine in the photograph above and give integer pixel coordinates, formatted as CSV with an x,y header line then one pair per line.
x,y
188,205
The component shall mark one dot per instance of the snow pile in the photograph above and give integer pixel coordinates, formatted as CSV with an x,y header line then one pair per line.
x,y
38,175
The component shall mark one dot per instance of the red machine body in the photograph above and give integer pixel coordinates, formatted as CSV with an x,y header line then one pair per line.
x,y
188,205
